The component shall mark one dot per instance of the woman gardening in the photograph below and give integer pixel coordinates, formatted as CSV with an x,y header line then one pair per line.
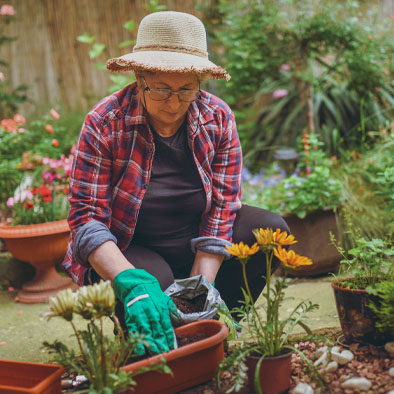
x,y
156,184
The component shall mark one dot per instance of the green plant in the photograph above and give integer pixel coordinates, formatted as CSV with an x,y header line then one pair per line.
x,y
269,333
367,180
310,187
323,66
101,356
97,50
366,264
384,308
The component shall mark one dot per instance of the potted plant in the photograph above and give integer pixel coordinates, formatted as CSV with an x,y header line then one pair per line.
x,y
364,271
110,363
267,357
308,199
36,230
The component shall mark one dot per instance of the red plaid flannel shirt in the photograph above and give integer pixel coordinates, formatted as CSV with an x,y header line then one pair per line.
x,y
113,161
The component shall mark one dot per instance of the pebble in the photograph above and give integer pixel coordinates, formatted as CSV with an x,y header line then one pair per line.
x,y
319,352
66,383
322,360
357,383
389,347
302,388
332,366
342,358
391,371
391,392
336,349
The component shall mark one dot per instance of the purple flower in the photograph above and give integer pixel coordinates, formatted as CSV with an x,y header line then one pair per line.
x,y
279,93
290,194
245,174
284,67
288,185
254,180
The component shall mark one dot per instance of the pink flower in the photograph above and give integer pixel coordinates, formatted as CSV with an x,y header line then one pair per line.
x,y
279,93
19,119
11,201
10,288
20,313
3,343
48,177
21,130
54,114
284,67
2,77
7,9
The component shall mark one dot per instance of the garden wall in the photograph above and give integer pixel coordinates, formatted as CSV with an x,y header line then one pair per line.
x,y
47,57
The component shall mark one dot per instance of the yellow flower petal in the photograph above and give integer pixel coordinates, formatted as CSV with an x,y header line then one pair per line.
x,y
242,251
290,259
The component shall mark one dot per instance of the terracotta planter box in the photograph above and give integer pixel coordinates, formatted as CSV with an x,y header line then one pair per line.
x,y
191,364
17,377
313,236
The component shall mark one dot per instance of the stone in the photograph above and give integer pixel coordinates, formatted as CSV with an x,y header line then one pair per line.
x,y
342,358
303,388
391,392
362,384
347,354
332,366
319,352
389,347
322,360
391,371
336,349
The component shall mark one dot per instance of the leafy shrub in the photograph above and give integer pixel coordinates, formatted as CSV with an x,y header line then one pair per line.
x,y
321,65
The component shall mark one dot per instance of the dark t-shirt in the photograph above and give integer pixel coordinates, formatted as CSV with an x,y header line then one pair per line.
x,y
175,199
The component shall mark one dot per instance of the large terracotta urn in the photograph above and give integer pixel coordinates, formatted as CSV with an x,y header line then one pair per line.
x,y
41,245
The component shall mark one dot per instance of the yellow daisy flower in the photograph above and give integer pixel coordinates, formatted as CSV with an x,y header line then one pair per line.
x,y
290,259
242,251
267,237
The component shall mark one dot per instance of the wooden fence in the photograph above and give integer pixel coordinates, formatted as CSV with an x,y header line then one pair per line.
x,y
47,57
56,68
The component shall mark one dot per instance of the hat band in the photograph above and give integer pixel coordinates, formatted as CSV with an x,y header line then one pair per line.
x,y
171,48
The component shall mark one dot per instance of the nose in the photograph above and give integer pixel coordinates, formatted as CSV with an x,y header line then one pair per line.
x,y
173,102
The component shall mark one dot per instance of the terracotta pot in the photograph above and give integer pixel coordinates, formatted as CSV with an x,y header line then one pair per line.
x,y
191,364
42,245
313,236
275,372
17,377
356,318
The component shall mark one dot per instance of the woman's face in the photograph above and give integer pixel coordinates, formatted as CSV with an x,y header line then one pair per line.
x,y
171,111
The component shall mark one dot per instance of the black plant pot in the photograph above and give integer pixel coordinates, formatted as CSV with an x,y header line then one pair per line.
x,y
356,318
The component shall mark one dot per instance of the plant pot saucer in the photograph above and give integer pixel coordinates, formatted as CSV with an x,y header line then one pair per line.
x,y
42,296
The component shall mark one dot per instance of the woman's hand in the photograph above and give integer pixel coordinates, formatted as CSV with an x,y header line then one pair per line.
x,y
206,264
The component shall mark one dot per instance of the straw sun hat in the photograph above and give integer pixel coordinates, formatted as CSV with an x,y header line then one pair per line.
x,y
169,41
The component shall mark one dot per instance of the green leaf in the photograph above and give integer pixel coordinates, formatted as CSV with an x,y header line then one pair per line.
x,y
127,43
96,50
100,66
86,39
129,25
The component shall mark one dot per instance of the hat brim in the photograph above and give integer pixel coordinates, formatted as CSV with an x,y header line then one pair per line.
x,y
165,61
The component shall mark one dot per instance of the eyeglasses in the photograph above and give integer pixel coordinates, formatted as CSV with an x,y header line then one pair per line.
x,y
186,95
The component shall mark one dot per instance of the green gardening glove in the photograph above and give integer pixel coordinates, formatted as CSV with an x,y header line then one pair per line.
x,y
147,309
